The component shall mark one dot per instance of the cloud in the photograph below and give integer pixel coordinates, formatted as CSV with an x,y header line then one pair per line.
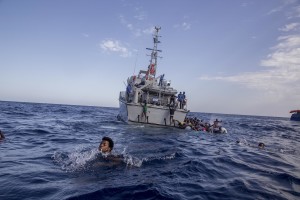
x,y
149,30
295,13
141,15
275,10
281,75
130,26
135,30
290,8
290,27
286,54
115,46
184,26
85,35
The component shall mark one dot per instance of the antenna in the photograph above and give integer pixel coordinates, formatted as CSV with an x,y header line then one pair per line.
x,y
154,51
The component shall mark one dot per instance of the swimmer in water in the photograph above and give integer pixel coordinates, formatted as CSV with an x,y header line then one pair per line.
x,y
105,147
1,135
261,145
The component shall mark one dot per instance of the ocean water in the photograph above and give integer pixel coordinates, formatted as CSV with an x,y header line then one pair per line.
x,y
50,152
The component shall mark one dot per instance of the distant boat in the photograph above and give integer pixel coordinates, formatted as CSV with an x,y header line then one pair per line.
x,y
296,115
151,93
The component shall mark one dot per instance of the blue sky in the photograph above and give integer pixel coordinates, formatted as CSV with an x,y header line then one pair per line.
x,y
234,56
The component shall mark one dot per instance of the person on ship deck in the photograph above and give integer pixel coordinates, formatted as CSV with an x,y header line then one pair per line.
x,y
161,80
128,92
172,99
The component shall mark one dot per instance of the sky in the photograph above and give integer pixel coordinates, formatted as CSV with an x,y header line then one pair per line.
x,y
232,57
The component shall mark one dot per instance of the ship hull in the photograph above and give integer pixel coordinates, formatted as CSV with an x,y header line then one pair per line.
x,y
295,117
156,115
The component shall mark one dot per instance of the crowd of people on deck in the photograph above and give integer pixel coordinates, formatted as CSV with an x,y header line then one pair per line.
x,y
198,125
181,100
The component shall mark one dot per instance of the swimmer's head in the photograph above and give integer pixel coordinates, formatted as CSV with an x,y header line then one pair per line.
x,y
261,145
106,145
1,135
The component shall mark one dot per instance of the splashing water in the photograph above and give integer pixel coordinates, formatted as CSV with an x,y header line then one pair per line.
x,y
75,161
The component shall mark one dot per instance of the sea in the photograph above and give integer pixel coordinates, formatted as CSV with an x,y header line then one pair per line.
x,y
51,152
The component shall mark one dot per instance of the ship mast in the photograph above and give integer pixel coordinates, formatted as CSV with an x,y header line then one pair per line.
x,y
153,61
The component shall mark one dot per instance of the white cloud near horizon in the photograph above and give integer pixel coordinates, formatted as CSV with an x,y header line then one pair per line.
x,y
281,75
115,46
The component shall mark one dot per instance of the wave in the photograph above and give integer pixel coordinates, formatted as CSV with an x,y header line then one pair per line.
x,y
109,127
140,191
136,162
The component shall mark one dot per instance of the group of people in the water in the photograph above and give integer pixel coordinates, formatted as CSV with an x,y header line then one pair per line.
x,y
107,145
198,125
